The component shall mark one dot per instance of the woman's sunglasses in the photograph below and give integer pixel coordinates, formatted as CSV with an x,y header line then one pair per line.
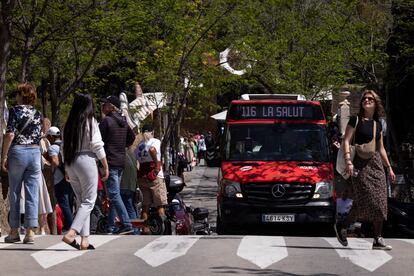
x,y
370,99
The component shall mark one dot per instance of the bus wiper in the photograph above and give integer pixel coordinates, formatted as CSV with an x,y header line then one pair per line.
x,y
238,163
310,163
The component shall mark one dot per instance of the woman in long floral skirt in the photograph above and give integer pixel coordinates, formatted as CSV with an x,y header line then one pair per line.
x,y
369,178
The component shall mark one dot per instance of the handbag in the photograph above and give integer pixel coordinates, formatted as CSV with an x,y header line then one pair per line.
x,y
340,160
367,150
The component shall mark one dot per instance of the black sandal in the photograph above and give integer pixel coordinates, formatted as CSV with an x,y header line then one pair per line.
x,y
74,244
90,247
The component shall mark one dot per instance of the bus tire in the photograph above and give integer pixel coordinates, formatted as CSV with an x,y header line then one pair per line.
x,y
223,228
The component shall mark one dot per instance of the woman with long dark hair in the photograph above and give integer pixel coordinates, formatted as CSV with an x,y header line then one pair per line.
x,y
21,158
367,170
82,145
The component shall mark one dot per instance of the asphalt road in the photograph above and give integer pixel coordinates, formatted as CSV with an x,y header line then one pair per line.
x,y
201,190
248,254
206,255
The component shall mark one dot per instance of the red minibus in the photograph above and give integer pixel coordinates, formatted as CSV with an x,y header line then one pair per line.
x,y
276,166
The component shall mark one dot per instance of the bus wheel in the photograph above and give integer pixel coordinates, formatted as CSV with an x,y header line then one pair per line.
x,y
223,228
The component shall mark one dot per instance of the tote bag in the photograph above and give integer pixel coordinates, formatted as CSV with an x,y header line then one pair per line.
x,y
340,160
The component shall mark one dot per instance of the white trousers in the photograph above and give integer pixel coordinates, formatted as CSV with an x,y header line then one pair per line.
x,y
83,177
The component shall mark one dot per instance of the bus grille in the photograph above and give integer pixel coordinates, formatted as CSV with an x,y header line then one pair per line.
x,y
284,193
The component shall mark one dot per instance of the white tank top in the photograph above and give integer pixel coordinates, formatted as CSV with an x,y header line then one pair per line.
x,y
142,152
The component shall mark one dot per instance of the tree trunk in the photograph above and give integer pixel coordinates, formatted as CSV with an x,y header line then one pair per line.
x,y
42,91
25,58
54,104
5,25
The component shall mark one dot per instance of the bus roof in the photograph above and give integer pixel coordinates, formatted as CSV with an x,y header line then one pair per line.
x,y
273,97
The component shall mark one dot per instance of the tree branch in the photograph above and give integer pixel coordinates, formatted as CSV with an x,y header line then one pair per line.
x,y
71,87
185,56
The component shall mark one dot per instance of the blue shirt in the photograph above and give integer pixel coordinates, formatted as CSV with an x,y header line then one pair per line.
x,y
58,175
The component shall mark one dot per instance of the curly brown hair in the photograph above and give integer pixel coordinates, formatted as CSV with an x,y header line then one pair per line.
x,y
28,93
379,108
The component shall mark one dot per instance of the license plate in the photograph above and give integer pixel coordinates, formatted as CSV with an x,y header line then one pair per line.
x,y
278,218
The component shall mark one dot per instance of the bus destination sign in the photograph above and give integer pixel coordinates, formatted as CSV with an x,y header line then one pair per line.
x,y
276,111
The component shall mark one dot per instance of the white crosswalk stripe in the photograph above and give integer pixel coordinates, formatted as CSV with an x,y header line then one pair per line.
x,y
165,249
262,251
62,252
360,253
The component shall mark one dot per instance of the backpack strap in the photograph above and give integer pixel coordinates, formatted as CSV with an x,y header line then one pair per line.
x,y
29,119
356,124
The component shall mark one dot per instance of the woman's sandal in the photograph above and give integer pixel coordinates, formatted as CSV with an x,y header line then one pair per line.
x,y
74,243
90,247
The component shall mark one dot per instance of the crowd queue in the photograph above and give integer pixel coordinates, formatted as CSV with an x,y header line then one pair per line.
x,y
78,163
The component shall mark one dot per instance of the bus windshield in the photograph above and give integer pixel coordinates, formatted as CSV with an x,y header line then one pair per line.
x,y
276,142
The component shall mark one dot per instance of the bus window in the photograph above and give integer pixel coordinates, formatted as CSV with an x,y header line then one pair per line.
x,y
267,142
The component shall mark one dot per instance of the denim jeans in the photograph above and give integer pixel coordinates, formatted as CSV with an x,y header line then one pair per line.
x,y
128,197
64,196
116,205
24,169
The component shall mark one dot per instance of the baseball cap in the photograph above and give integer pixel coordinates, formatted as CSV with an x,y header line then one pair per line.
x,y
53,131
147,128
114,100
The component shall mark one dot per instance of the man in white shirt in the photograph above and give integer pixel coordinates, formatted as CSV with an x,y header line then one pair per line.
x,y
150,174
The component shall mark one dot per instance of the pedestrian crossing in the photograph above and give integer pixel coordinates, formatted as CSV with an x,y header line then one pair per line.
x,y
361,253
261,252
63,252
165,249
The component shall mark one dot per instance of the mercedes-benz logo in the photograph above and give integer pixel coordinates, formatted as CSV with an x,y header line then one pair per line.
x,y
278,190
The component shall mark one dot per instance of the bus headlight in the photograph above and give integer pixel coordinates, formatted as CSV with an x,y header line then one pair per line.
x,y
231,188
323,190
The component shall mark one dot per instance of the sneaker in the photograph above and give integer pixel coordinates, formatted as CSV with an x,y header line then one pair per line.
x,y
29,238
12,238
124,230
379,244
341,234
22,230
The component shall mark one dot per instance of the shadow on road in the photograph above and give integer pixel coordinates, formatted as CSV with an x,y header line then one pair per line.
x,y
303,230
240,270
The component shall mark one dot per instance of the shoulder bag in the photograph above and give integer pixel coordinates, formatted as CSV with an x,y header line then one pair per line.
x,y
340,160
367,150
